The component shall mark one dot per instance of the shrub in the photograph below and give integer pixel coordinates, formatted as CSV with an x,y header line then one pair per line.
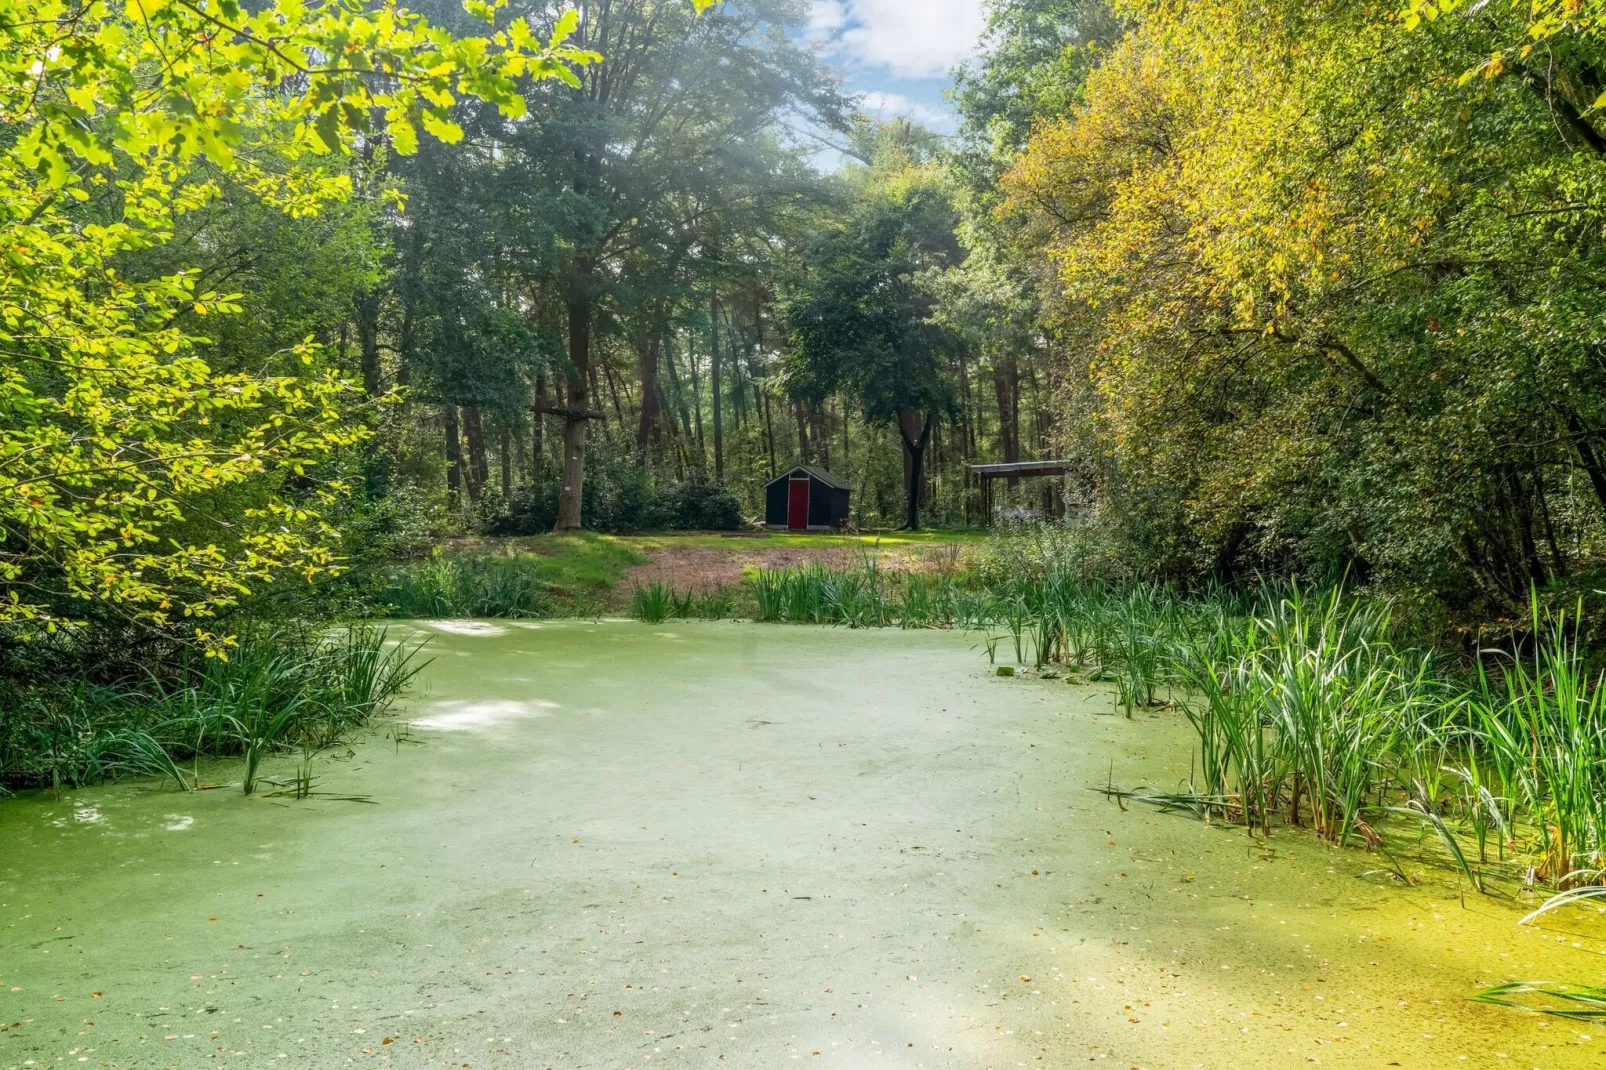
x,y
615,498
285,686
697,507
616,501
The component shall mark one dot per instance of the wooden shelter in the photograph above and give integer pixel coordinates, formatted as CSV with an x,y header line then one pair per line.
x,y
805,498
989,473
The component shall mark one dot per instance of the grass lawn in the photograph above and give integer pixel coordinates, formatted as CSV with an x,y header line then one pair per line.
x,y
581,560
588,564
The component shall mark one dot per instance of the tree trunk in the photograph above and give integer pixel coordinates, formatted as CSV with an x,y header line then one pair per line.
x,y
1586,456
769,428
803,449
594,390
847,457
1557,558
616,391
1522,503
506,450
407,339
674,388
1006,389
764,397
915,430
647,369
406,342
538,421
368,338
676,442
819,425
454,455
719,423
574,420
696,400
478,468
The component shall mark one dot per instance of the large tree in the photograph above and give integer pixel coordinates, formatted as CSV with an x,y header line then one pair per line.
x,y
860,314
679,105
115,431
1334,280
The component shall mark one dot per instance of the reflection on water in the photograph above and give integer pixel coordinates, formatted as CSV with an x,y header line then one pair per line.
x,y
468,716
477,628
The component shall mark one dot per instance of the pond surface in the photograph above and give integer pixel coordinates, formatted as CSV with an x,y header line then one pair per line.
x,y
697,845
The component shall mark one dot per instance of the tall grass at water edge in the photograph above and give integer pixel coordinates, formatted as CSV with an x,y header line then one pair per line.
x,y
658,602
470,585
283,689
1308,709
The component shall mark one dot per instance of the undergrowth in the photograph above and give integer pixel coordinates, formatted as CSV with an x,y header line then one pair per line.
x,y
283,689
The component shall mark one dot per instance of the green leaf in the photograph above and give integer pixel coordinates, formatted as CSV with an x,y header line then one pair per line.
x,y
565,28
443,129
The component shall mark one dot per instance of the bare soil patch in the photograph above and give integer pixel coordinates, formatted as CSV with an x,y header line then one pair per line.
x,y
702,568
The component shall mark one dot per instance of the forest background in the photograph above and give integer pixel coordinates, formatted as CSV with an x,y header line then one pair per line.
x,y
293,294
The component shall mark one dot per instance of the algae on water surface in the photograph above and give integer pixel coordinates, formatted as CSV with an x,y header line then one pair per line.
x,y
712,839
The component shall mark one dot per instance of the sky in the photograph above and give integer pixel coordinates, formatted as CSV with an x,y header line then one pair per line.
x,y
898,52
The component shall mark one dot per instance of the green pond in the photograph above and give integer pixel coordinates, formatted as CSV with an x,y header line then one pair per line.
x,y
629,846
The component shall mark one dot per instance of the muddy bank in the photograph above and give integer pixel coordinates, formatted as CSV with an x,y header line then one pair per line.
x,y
621,845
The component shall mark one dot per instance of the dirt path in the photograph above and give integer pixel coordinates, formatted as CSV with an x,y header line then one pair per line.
x,y
703,568
736,845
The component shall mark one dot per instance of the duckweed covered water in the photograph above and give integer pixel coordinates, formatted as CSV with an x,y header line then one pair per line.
x,y
623,845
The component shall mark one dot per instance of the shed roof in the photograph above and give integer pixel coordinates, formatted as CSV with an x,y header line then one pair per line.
x,y
818,473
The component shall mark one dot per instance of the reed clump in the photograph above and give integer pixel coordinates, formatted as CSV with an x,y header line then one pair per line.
x,y
283,688
469,585
658,602
1309,709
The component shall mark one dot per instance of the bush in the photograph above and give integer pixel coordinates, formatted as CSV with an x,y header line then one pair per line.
x,y
616,500
469,586
697,507
285,686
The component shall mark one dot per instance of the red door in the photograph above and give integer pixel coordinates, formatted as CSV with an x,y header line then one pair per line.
x,y
797,505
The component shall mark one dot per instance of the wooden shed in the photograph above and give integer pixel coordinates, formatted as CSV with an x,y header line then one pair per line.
x,y
806,498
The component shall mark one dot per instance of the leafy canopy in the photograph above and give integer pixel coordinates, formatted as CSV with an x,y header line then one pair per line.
x,y
117,439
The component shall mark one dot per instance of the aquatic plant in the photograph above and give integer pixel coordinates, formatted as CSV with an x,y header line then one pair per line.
x,y
283,687
470,585
82,738
720,603
1583,1003
653,603
1543,728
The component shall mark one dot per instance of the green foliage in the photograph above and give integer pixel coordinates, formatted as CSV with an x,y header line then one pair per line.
x,y
469,585
285,687
652,604
555,575
114,431
1362,338
696,507
658,602
619,500
860,318
860,312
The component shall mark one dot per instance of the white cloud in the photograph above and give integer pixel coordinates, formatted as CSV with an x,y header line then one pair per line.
x,y
826,19
886,105
910,38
